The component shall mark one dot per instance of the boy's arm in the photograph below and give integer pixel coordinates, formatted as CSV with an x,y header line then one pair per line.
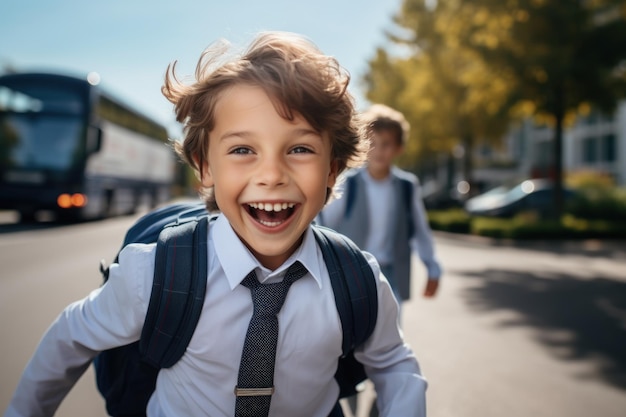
x,y
110,316
389,361
423,243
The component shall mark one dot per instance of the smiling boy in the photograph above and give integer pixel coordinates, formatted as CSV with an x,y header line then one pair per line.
x,y
268,133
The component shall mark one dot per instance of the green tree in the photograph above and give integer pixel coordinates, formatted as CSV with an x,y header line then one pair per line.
x,y
447,92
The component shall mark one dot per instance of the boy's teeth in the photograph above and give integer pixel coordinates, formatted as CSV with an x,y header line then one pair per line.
x,y
272,207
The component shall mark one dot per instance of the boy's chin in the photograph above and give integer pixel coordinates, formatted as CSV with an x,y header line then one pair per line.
x,y
272,256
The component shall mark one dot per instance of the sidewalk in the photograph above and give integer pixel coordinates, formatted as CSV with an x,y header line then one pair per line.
x,y
610,248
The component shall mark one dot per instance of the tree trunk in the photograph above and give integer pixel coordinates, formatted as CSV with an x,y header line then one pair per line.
x,y
557,174
468,163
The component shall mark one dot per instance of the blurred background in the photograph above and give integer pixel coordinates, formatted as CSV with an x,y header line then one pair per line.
x,y
518,135
497,93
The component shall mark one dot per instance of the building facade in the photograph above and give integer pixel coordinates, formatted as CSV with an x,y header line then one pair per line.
x,y
594,143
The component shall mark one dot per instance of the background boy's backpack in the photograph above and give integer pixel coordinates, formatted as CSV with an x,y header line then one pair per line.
x,y
126,376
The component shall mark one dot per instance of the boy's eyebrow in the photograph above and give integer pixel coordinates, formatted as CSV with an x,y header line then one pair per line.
x,y
234,133
307,131
246,133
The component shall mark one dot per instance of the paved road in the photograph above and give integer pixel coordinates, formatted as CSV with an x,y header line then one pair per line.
x,y
515,331
44,268
533,331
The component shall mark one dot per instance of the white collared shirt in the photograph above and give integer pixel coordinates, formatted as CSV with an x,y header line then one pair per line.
x,y
202,382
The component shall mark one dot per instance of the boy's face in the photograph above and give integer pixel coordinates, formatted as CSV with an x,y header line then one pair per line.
x,y
269,174
384,148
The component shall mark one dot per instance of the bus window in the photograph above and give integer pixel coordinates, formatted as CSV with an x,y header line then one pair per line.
x,y
32,97
14,101
44,141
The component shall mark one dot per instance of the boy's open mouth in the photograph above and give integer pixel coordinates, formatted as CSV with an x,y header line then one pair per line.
x,y
270,214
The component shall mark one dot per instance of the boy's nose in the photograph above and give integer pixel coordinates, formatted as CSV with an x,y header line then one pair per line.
x,y
270,173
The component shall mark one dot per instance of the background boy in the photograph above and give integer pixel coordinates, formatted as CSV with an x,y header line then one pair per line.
x,y
268,133
380,221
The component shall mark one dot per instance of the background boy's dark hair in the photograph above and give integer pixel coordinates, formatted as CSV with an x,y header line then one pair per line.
x,y
293,72
380,117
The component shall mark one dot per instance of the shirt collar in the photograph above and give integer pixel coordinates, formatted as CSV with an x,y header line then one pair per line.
x,y
237,261
368,177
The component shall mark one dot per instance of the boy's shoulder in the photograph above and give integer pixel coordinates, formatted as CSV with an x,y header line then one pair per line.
x,y
136,256
404,175
353,173
396,172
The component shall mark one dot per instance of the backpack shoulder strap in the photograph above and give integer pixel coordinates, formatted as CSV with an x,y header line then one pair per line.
x,y
354,286
407,197
350,191
178,292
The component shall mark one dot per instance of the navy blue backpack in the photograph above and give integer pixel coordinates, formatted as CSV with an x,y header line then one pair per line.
x,y
126,376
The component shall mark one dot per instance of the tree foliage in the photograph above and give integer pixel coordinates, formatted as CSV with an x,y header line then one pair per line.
x,y
449,94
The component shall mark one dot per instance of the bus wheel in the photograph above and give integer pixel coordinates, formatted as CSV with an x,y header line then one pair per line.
x,y
154,199
135,203
108,205
27,216
67,217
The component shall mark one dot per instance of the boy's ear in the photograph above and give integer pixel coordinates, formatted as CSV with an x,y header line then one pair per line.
x,y
333,173
206,177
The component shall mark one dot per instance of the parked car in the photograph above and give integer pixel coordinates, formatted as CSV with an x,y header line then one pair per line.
x,y
442,199
509,200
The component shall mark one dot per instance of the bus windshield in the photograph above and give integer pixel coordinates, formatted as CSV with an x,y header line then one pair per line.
x,y
41,141
40,97
41,125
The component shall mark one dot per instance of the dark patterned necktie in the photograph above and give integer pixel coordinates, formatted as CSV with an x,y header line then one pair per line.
x,y
255,384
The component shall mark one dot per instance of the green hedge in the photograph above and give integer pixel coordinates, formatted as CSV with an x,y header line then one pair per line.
x,y
599,204
598,211
527,226
597,196
452,220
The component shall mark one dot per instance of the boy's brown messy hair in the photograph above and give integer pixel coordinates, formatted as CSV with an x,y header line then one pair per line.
x,y
380,117
293,72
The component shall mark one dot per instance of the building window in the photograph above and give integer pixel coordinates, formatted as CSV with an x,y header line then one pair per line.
x,y
609,150
589,150
544,151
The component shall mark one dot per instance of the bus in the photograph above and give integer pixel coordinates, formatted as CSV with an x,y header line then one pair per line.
x,y
70,148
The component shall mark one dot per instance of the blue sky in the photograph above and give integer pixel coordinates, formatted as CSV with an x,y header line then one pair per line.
x,y
131,42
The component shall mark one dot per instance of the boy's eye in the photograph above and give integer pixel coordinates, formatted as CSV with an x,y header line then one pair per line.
x,y
301,149
241,151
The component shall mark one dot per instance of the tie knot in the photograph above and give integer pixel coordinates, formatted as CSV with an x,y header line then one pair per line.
x,y
294,273
269,298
